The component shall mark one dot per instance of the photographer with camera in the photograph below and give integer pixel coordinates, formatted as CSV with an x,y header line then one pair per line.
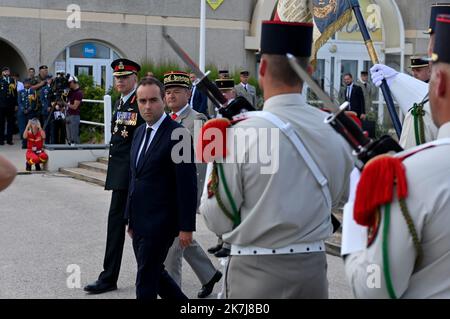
x,y
74,98
35,136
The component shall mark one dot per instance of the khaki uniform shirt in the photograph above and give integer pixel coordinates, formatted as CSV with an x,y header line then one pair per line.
x,y
288,206
249,94
428,202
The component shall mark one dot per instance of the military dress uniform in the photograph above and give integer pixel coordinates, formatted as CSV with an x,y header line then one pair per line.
x,y
246,90
193,254
125,120
8,102
223,83
27,101
46,98
412,97
276,218
408,241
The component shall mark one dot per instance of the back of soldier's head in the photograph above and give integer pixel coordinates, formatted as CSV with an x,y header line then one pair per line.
x,y
280,38
439,89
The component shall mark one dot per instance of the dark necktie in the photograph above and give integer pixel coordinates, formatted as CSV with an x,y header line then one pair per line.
x,y
245,87
144,148
120,104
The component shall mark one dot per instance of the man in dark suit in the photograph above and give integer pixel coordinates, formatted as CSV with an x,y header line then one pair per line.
x,y
198,100
162,197
354,95
124,122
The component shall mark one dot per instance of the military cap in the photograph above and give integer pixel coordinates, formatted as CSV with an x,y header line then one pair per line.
x,y
441,51
225,84
43,67
245,73
437,9
177,78
224,72
419,62
123,67
277,38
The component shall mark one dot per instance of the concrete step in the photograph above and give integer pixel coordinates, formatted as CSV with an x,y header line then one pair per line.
x,y
85,175
103,160
94,166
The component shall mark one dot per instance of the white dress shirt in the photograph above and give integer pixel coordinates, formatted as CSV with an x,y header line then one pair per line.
x,y
126,97
154,128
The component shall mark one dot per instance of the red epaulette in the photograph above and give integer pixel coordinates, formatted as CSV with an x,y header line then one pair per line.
x,y
376,188
212,140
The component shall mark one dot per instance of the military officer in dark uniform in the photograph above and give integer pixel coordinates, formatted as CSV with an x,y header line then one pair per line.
x,y
8,103
124,121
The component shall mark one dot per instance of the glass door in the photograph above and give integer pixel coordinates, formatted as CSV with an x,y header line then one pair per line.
x,y
99,69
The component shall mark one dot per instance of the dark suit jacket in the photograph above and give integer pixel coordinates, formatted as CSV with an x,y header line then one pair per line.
x,y
357,103
118,175
200,102
162,196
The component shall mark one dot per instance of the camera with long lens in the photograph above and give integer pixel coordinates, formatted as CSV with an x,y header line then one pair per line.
x,y
61,86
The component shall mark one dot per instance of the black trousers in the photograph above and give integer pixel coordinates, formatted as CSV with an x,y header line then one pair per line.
x,y
152,278
58,132
115,237
6,116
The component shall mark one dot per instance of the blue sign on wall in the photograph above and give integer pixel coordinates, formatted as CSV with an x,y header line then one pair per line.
x,y
89,50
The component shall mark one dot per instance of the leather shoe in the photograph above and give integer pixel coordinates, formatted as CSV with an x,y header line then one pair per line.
x,y
100,287
208,288
223,252
215,249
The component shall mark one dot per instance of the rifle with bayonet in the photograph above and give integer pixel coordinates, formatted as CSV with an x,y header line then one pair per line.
x,y
204,84
363,147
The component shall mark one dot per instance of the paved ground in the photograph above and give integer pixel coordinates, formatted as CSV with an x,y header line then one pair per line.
x,y
48,222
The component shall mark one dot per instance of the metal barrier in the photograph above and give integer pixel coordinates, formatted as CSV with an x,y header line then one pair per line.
x,y
107,113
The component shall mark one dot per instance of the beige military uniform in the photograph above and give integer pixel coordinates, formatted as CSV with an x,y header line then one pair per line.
x,y
428,201
369,92
281,209
193,254
407,90
249,93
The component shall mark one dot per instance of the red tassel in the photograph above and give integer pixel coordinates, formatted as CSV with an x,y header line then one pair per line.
x,y
376,187
214,132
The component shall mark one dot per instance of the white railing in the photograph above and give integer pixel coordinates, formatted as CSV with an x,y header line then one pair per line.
x,y
107,110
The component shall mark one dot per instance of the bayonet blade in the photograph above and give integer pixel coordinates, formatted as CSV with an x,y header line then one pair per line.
x,y
328,103
182,54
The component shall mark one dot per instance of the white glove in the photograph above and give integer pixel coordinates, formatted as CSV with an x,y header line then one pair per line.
x,y
380,72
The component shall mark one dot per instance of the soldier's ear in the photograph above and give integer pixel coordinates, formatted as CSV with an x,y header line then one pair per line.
x,y
262,67
442,81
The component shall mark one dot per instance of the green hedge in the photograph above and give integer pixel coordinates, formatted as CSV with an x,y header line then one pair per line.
x,y
94,111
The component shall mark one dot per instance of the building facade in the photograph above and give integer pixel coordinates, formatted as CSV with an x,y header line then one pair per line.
x,y
35,32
